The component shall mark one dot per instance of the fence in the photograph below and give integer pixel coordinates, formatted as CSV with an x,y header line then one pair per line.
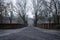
x,y
11,26
49,25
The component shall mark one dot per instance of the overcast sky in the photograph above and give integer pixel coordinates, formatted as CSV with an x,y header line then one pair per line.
x,y
29,8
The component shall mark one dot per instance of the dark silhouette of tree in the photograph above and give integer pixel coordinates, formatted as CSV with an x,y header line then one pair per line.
x,y
10,8
37,7
56,19
1,10
22,10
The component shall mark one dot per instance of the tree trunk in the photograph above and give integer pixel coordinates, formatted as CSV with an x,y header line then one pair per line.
x,y
36,19
56,19
11,17
1,16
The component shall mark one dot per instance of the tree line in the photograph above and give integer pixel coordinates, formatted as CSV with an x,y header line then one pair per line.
x,y
8,9
44,11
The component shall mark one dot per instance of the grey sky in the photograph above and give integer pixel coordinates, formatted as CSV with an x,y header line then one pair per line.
x,y
29,7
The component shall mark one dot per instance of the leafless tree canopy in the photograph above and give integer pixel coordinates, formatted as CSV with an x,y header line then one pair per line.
x,y
44,11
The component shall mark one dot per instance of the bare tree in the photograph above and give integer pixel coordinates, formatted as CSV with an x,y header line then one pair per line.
x,y
11,9
56,19
53,8
22,10
37,8
1,10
